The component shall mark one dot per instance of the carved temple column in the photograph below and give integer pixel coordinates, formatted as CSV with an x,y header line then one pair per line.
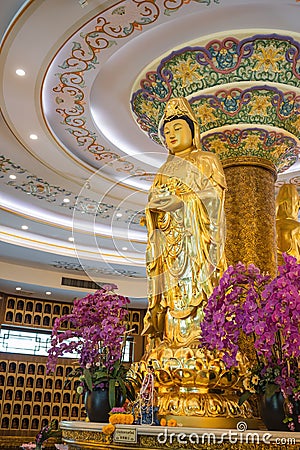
x,y
251,158
250,212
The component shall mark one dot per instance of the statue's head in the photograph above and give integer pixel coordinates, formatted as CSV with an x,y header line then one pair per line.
x,y
179,134
179,127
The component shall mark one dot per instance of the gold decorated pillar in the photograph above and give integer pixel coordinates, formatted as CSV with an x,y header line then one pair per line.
x,y
250,212
251,158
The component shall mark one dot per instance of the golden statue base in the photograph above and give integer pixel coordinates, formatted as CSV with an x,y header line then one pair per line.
x,y
219,410
194,385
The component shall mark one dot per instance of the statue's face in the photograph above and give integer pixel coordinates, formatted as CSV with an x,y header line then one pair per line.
x,y
178,135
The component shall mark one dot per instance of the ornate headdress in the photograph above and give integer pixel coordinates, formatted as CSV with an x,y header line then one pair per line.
x,y
178,107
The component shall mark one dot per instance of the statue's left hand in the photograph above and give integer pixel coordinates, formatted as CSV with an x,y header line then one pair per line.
x,y
165,204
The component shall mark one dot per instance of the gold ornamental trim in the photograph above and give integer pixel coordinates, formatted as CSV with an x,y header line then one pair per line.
x,y
83,437
250,161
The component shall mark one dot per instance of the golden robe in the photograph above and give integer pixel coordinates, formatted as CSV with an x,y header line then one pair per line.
x,y
186,237
287,225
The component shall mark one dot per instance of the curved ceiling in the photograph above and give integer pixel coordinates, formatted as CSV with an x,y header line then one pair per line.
x,y
79,134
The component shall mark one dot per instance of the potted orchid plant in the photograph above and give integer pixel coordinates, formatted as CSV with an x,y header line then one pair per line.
x,y
97,336
265,311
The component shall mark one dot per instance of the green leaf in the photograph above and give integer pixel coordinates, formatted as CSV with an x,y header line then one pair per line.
x,y
244,397
112,393
100,374
287,419
99,378
116,368
88,379
122,386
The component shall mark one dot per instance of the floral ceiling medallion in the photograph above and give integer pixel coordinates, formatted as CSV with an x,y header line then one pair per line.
x,y
254,80
75,67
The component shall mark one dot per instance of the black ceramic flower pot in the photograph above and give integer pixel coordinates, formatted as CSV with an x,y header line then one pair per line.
x,y
272,412
97,405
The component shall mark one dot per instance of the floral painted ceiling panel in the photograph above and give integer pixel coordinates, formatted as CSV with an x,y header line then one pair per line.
x,y
259,97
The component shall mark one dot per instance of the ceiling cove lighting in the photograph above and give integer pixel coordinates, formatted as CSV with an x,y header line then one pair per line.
x,y
12,204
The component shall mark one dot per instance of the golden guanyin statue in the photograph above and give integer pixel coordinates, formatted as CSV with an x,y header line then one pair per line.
x,y
287,225
185,260
186,230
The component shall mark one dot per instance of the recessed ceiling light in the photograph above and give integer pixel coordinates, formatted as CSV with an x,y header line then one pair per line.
x,y
12,177
18,288
48,292
20,72
119,215
71,239
66,200
24,227
33,137
124,248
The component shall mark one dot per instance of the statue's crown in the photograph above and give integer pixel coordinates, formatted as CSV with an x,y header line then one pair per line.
x,y
178,107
